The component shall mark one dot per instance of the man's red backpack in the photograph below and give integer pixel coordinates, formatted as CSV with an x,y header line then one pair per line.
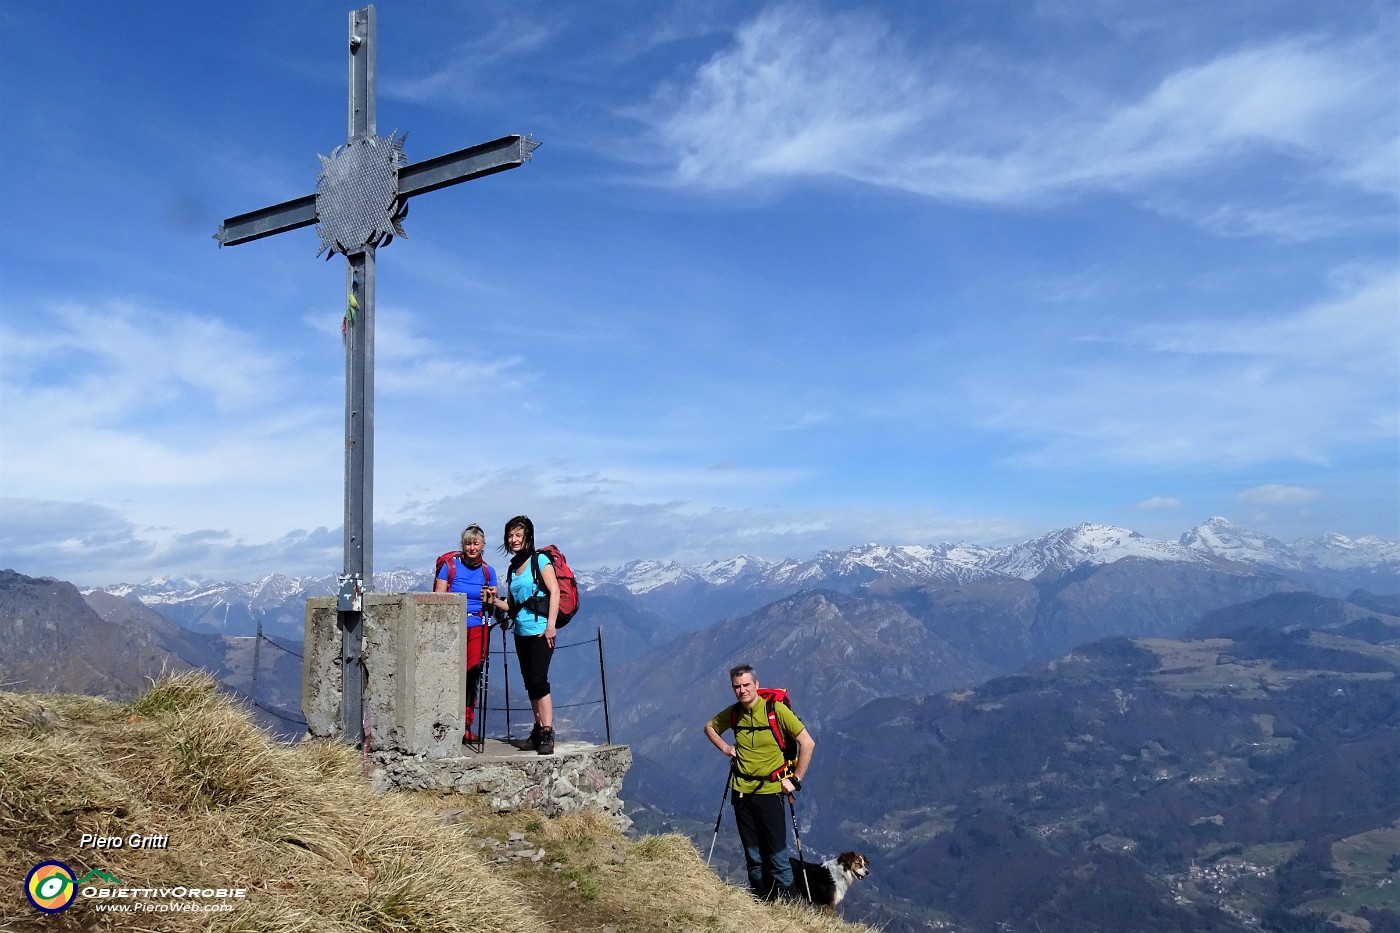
x,y
568,586
772,696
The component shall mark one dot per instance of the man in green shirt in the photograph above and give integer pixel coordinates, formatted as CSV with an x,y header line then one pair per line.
x,y
759,776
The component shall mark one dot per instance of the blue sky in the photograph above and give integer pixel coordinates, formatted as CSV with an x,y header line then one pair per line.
x,y
782,277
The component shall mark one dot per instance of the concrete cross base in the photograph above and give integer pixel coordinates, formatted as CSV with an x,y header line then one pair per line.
x,y
414,656
577,776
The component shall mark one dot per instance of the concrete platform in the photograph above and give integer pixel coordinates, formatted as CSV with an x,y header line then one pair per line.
x,y
499,748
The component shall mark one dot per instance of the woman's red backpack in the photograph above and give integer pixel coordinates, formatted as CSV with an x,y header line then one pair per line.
x,y
568,586
446,558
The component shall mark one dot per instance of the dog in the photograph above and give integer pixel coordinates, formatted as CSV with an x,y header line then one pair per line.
x,y
828,881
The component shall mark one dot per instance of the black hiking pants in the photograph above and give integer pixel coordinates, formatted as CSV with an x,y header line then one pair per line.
x,y
763,832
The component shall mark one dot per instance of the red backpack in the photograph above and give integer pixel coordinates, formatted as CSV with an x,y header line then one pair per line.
x,y
771,697
568,586
446,558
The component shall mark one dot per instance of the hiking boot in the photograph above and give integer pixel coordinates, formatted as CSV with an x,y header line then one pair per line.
x,y
546,746
531,742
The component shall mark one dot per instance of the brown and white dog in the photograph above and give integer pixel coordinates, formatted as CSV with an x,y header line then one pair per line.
x,y
828,881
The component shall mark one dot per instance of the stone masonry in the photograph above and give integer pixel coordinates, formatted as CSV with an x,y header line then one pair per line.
x,y
577,776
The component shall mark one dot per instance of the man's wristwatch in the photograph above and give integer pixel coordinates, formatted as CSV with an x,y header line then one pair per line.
x,y
796,782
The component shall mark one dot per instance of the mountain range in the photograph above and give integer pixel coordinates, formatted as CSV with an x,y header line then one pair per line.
x,y
691,597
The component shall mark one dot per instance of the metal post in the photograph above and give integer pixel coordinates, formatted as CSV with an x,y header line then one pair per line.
x,y
362,76
359,403
257,643
603,675
505,679
359,421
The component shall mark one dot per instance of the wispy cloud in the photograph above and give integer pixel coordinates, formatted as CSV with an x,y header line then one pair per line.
x,y
111,361
412,361
113,401
464,74
1228,391
1160,502
799,95
1274,494
796,95
95,544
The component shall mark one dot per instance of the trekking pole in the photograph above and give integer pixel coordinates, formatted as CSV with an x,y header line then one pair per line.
x,y
505,675
801,862
720,815
483,691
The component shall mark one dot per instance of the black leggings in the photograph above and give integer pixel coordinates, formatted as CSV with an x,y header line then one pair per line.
x,y
534,654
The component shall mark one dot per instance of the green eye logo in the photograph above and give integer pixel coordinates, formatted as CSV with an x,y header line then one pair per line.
x,y
50,887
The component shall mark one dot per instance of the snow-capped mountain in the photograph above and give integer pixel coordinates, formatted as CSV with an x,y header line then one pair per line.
x,y
277,601
953,562
1222,538
691,596
1338,552
1061,551
1217,541
1333,564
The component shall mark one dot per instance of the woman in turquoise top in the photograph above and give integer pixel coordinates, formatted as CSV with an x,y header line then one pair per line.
x,y
533,604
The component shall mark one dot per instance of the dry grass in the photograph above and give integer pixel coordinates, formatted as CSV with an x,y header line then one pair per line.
x,y
315,848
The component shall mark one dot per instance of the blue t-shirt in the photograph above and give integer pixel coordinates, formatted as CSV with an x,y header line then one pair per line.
x,y
469,582
522,587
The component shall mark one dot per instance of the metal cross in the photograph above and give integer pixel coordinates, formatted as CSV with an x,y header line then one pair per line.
x,y
361,197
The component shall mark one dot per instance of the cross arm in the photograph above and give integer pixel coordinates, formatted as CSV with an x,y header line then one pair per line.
x,y
419,178
465,164
254,225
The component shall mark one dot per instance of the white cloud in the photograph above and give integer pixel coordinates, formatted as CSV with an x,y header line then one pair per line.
x,y
1219,392
1160,502
798,95
459,78
1273,494
596,522
1356,333
117,403
114,359
412,362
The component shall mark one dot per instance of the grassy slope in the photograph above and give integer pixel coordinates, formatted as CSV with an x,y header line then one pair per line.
x,y
315,847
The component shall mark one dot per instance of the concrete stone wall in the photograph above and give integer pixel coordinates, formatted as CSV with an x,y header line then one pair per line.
x,y
320,669
414,653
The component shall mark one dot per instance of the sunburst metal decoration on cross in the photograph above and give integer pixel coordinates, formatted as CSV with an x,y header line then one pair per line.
x,y
357,195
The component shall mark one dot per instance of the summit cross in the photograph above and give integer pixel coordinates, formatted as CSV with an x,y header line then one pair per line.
x,y
361,198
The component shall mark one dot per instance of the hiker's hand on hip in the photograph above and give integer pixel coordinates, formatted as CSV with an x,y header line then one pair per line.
x,y
549,633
